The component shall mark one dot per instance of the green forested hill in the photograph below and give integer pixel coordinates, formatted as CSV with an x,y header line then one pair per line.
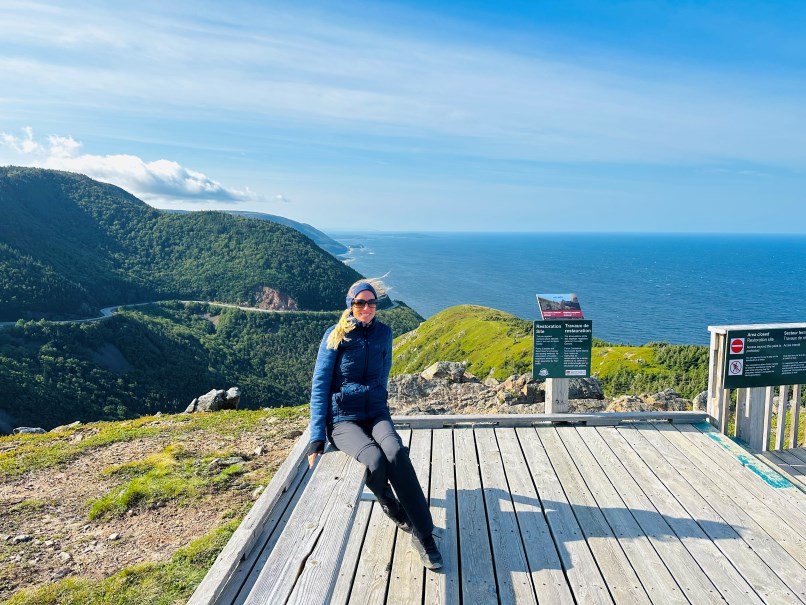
x,y
158,358
70,245
494,343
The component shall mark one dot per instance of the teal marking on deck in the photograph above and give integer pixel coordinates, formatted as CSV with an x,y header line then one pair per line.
x,y
770,477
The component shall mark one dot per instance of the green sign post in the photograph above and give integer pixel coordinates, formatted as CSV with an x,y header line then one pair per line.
x,y
562,348
765,357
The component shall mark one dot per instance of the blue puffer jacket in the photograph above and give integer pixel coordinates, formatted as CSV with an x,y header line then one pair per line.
x,y
350,382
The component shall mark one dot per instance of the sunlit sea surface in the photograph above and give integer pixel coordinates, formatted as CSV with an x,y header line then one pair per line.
x,y
637,288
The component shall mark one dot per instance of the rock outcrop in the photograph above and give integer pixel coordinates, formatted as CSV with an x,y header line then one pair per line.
x,y
446,388
216,400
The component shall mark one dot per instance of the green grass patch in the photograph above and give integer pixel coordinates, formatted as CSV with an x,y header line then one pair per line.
x,y
35,452
494,343
144,584
170,475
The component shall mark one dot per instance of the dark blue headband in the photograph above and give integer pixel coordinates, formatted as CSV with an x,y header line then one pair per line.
x,y
355,290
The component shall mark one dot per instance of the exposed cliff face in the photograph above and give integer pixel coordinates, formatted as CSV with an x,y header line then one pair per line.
x,y
446,388
270,299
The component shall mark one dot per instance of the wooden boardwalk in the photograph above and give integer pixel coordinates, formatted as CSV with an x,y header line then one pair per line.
x,y
527,512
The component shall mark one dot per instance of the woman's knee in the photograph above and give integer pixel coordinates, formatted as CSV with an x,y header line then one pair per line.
x,y
373,458
393,448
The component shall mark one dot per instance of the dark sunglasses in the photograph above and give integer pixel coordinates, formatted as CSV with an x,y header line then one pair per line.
x,y
363,303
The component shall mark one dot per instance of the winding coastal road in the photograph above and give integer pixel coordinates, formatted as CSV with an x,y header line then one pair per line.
x,y
108,312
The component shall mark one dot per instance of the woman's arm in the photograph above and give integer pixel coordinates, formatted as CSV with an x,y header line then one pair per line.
x,y
320,389
387,359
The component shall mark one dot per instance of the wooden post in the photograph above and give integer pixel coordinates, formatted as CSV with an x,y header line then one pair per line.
x,y
779,429
718,397
755,424
793,431
769,395
740,427
557,395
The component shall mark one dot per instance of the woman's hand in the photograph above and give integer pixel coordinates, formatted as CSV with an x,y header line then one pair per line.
x,y
315,449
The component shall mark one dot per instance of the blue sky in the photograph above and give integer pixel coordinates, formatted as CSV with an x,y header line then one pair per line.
x,y
468,116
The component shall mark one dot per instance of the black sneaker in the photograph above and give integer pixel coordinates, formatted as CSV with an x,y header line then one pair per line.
x,y
428,551
400,518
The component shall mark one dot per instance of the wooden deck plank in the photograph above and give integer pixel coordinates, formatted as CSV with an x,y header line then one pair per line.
x,y
748,547
511,568
652,571
622,580
408,574
761,500
248,571
374,564
544,564
584,578
324,511
439,421
372,574
790,466
757,479
442,588
352,553
475,555
679,562
800,452
243,540
714,564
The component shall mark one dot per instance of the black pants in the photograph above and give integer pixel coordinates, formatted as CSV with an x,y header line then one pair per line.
x,y
376,445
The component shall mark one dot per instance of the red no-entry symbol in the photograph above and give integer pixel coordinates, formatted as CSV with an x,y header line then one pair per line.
x,y
737,345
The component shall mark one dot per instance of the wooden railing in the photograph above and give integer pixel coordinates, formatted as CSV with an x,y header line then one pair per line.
x,y
753,414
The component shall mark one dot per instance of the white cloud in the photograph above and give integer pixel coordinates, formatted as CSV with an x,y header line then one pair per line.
x,y
159,181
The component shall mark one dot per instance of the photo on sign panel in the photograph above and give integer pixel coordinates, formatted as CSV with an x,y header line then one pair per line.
x,y
559,306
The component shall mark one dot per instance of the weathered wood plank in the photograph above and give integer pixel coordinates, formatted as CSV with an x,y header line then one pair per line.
x,y
442,588
651,569
246,574
644,483
372,574
584,578
800,452
438,421
755,553
324,511
476,560
375,561
795,426
622,580
622,490
776,504
248,532
543,560
352,552
779,429
511,568
780,462
408,574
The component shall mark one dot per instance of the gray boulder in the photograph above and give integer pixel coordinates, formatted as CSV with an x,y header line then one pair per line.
x,y
216,400
585,388
28,430
451,371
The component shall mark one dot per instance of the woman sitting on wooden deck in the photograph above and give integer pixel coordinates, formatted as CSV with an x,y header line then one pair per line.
x,y
349,407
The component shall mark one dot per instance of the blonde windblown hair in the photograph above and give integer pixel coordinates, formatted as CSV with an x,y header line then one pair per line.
x,y
344,326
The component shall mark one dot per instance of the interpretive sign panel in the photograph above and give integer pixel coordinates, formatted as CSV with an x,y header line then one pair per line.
x,y
559,306
562,348
765,357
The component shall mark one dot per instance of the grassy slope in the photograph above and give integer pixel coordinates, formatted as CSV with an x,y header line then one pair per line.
x,y
494,343
170,477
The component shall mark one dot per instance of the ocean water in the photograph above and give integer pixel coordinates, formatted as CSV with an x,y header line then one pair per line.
x,y
636,288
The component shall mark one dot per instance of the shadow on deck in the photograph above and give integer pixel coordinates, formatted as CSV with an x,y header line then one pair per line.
x,y
531,509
